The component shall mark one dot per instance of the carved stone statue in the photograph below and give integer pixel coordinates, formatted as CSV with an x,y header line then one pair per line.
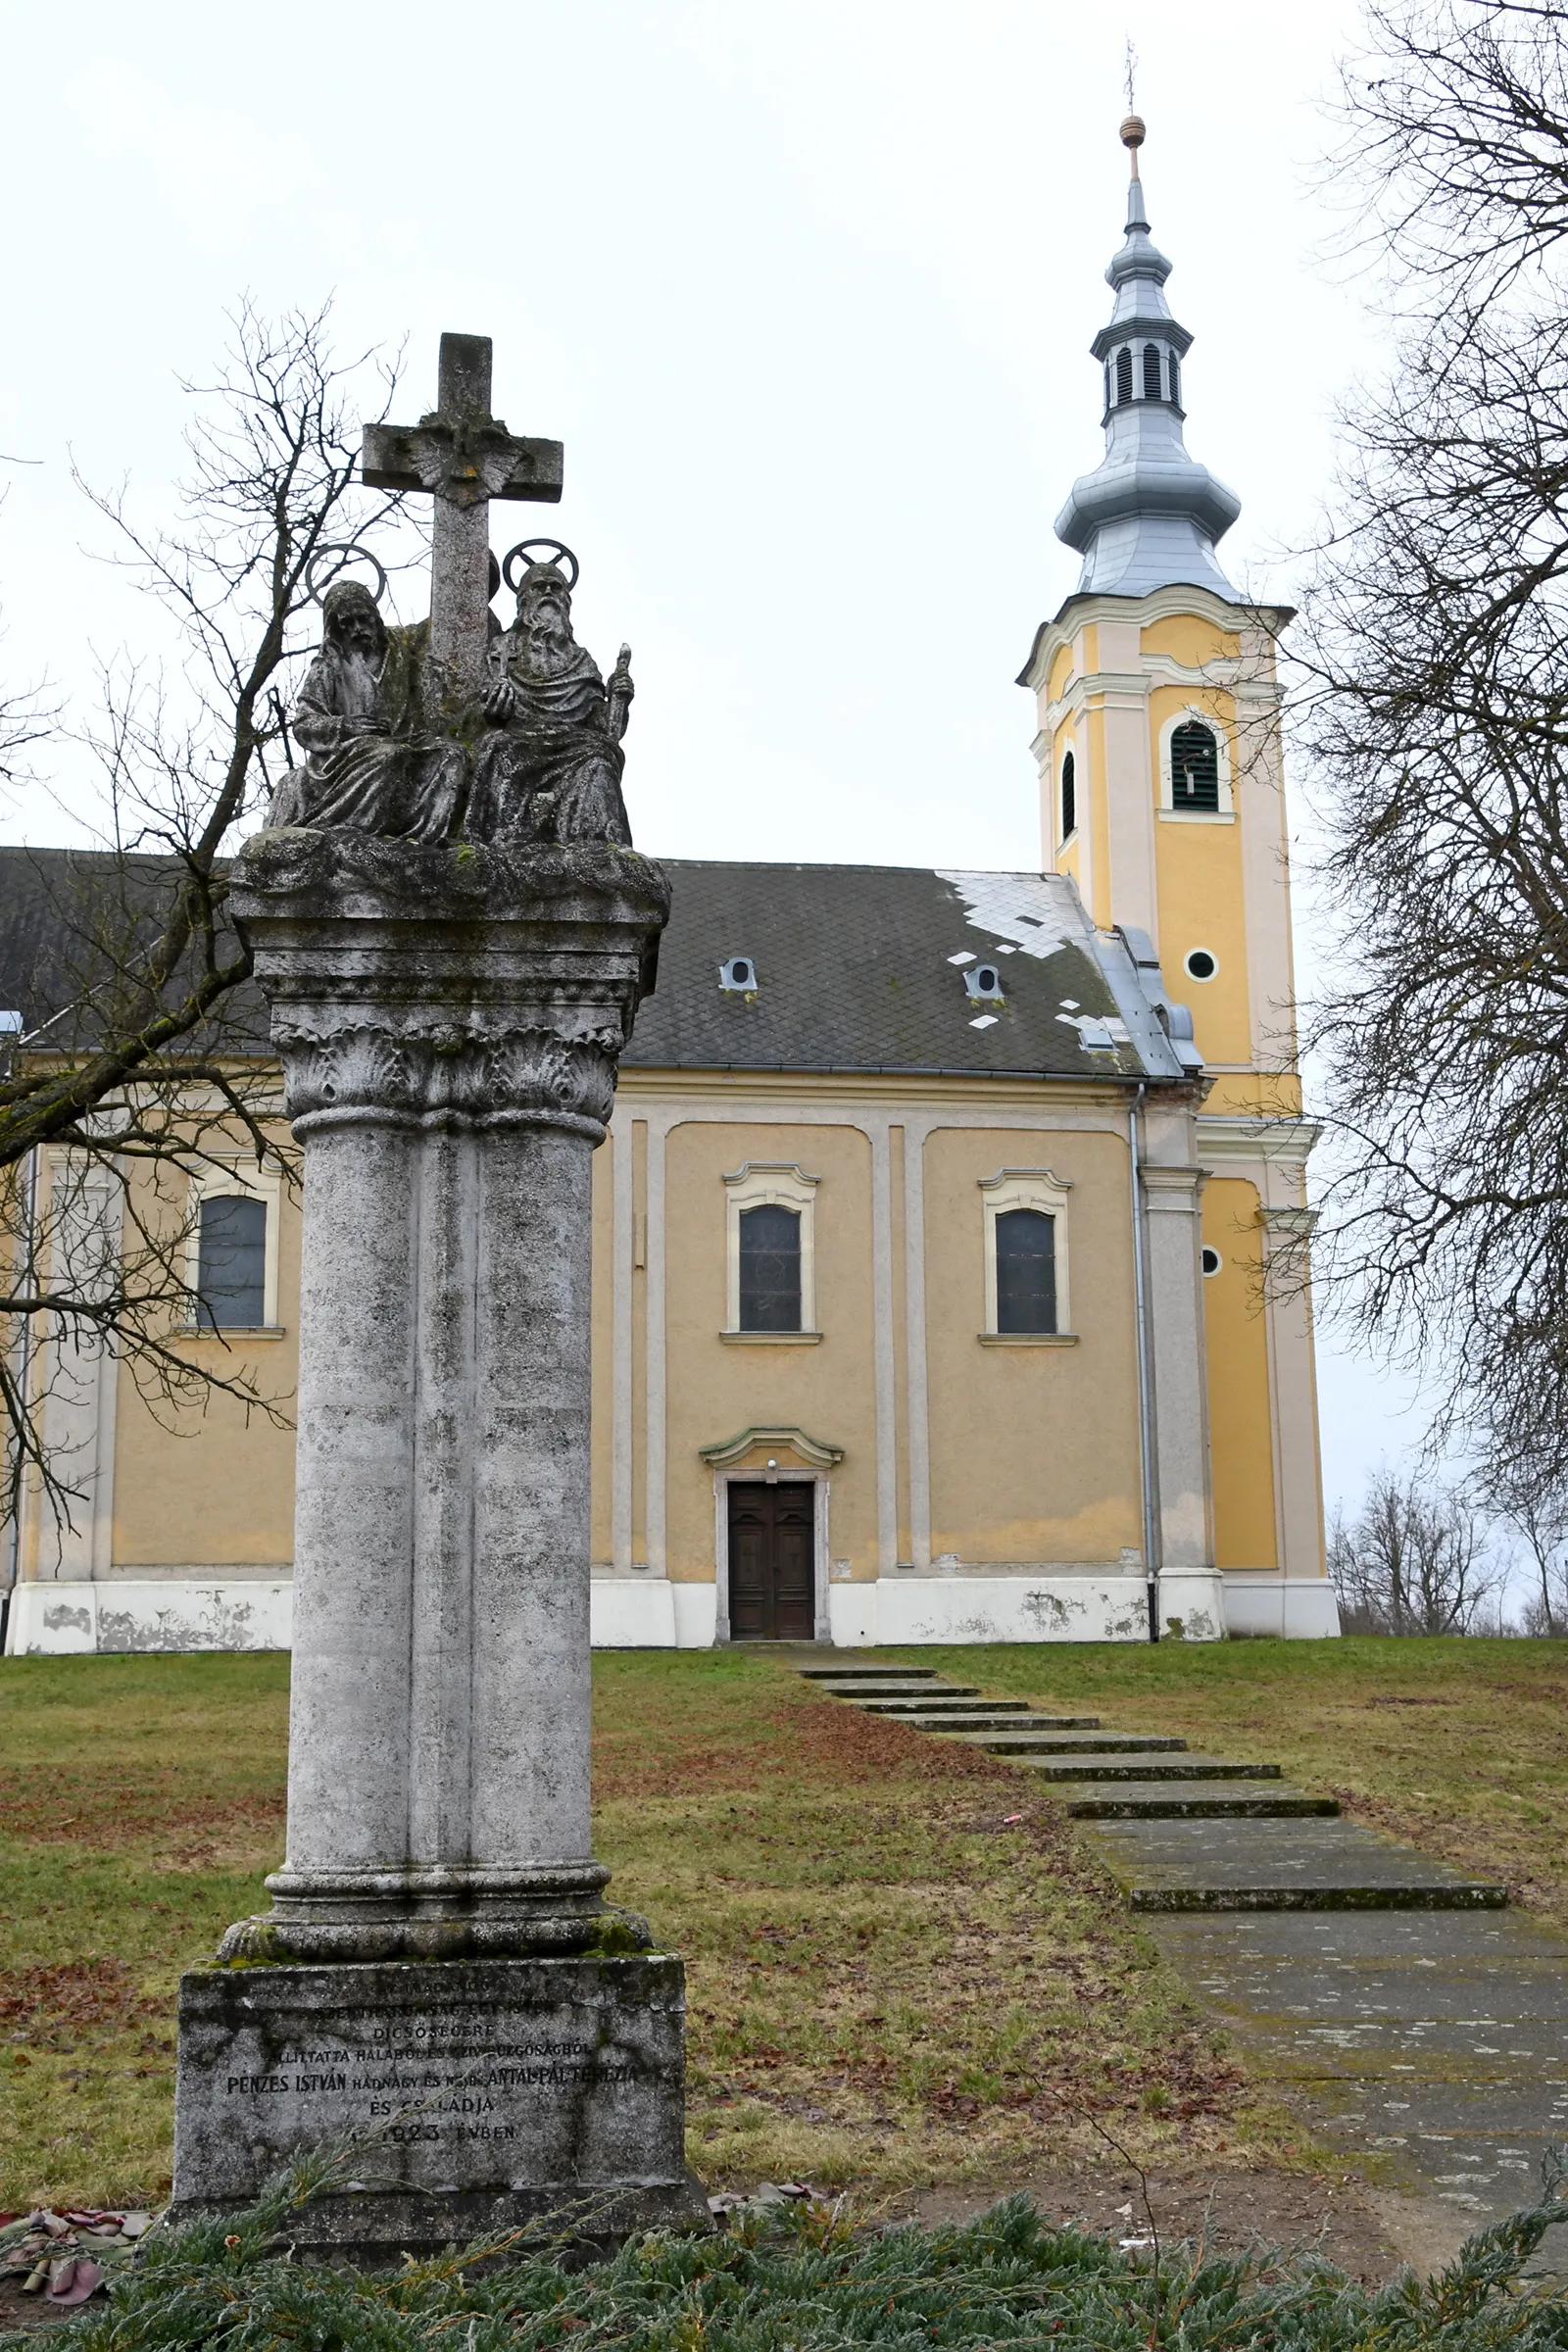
x,y
368,766
548,766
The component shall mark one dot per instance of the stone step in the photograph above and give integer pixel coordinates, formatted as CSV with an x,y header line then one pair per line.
x,y
904,1694
981,1719
1267,1866
892,1686
1193,1800
1119,1766
959,1701
844,1674
1024,1745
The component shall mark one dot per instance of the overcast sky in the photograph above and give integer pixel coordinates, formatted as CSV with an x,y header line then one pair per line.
x,y
806,291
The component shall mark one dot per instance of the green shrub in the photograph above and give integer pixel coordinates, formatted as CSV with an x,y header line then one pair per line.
x,y
805,2283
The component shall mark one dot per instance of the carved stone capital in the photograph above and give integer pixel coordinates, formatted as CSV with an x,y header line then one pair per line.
x,y
445,985
439,1077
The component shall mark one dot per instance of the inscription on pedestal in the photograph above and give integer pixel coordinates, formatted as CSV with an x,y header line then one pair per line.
x,y
513,2086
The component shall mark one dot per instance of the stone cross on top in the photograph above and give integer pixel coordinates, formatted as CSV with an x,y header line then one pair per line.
x,y
462,457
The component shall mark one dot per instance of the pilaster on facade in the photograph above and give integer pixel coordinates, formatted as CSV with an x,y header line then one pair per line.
x,y
1172,1196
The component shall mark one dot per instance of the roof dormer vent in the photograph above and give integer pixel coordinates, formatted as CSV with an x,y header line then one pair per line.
x,y
738,973
984,981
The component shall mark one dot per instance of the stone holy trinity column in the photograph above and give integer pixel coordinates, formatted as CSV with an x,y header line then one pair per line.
x,y
439,1977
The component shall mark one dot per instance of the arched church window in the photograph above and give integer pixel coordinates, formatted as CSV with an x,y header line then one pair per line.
x,y
1069,797
1151,371
1175,383
1026,1270
231,1276
1193,766
1124,375
771,1268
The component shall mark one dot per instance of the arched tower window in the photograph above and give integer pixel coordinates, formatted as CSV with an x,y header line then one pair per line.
x,y
1175,381
1193,766
1151,387
1124,375
1069,797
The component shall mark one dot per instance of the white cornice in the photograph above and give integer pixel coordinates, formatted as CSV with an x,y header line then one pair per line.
x,y
1223,677
1229,1136
1164,604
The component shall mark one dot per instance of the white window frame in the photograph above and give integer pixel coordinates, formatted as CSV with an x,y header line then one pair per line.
x,y
763,1184
1226,812
231,1182
1037,1189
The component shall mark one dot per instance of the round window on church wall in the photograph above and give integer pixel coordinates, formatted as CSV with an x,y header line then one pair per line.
x,y
1211,1260
1200,965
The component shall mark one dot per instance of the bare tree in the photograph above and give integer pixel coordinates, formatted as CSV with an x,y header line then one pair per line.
x,y
144,1066
1434,708
1412,1561
1534,1502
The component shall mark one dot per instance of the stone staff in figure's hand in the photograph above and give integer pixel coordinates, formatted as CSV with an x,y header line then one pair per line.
x,y
618,692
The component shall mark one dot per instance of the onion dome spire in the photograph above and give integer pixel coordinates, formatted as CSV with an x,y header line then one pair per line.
x,y
1148,515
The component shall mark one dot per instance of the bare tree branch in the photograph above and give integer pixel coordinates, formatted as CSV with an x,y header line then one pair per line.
x,y
146,1066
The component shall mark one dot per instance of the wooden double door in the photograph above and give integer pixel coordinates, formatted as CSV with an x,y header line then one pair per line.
x,y
772,1561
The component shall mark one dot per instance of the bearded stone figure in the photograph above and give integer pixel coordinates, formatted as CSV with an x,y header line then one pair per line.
x,y
548,766
368,766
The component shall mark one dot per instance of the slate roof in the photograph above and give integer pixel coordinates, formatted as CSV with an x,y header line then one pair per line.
x,y
855,971
855,968
69,918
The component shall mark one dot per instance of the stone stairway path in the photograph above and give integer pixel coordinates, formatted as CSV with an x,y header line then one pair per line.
x,y
1414,2020
1181,1832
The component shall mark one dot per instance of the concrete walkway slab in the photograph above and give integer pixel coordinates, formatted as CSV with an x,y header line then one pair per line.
x,y
1432,2044
1262,1865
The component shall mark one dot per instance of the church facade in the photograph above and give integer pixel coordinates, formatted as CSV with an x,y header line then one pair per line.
x,y
949,1234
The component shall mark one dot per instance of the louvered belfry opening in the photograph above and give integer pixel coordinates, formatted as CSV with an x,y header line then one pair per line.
x,y
1152,384
1193,766
1124,376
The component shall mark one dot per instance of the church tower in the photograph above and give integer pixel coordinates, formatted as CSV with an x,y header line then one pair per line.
x,y
1162,795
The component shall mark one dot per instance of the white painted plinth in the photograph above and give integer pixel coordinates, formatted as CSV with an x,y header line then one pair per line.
x,y
202,1613
54,1619
1009,1608
1295,1608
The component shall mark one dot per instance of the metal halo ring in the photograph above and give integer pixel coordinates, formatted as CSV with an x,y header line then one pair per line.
x,y
527,547
350,552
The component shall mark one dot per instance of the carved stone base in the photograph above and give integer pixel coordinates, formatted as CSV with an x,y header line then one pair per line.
x,y
479,2096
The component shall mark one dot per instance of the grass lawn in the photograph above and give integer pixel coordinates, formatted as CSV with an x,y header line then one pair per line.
x,y
888,1983
1461,1746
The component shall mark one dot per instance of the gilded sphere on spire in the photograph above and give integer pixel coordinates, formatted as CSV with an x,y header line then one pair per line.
x,y
1132,132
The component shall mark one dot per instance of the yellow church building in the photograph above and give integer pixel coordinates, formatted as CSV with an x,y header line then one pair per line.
x,y
950,1234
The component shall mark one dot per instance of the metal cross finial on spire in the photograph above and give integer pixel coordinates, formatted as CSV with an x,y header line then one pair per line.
x,y
1132,130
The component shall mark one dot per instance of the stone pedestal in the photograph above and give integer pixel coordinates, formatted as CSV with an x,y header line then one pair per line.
x,y
480,2097
449,1019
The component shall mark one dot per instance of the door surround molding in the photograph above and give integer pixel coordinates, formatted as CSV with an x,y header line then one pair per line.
x,y
787,1475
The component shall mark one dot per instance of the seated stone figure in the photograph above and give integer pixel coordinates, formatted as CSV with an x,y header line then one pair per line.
x,y
369,767
548,766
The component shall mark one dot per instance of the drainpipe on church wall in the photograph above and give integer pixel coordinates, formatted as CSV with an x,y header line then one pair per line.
x,y
1146,1411
24,1376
